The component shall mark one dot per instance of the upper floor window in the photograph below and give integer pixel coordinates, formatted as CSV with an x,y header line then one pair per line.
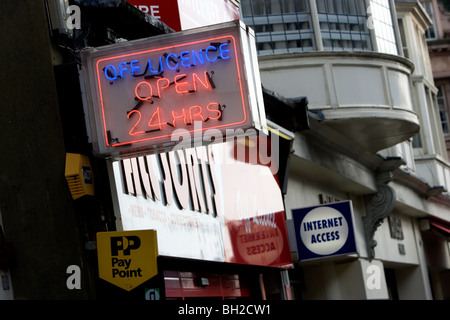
x,y
280,25
401,27
343,24
283,26
443,111
383,26
430,33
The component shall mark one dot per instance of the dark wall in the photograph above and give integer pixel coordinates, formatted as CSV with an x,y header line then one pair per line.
x,y
38,213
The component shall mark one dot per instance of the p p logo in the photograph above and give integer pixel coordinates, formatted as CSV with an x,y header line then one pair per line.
x,y
124,244
127,258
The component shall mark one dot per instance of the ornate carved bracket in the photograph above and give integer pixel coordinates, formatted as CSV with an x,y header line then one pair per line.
x,y
380,204
378,207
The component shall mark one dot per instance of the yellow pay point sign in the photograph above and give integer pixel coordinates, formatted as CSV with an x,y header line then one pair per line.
x,y
127,258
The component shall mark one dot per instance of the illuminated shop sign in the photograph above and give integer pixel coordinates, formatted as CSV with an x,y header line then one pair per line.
x,y
326,230
153,93
205,204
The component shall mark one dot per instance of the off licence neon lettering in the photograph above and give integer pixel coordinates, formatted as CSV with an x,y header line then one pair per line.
x,y
170,61
160,115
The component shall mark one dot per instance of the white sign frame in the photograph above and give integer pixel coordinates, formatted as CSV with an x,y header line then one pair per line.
x,y
102,70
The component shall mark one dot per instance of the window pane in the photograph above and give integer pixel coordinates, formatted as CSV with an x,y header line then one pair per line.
x,y
443,111
280,26
430,33
259,7
403,37
343,25
383,26
246,10
273,6
301,5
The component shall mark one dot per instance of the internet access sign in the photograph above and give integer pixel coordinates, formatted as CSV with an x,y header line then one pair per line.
x,y
325,230
127,258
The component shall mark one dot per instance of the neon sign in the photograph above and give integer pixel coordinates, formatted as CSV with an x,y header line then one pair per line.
x,y
146,94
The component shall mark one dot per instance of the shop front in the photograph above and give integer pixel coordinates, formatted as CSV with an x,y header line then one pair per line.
x,y
180,120
220,222
436,240
329,224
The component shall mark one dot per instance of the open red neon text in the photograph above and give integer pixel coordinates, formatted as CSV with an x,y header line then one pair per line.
x,y
172,88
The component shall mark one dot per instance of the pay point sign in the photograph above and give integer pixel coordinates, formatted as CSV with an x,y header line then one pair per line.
x,y
127,258
324,231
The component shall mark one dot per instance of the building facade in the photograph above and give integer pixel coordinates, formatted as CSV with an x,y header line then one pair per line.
x,y
353,134
217,209
375,136
437,36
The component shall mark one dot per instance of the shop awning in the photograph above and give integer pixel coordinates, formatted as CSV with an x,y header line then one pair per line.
x,y
441,227
437,225
291,114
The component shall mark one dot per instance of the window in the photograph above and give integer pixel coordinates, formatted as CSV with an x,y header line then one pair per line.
x,y
383,26
417,141
283,26
443,111
430,33
403,38
280,26
343,24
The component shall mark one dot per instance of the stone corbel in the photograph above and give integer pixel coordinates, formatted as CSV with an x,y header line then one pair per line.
x,y
380,204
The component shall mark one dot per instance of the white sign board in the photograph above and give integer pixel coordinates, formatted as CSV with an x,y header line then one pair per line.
x,y
198,199
149,94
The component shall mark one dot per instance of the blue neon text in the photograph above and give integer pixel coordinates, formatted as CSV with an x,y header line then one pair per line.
x,y
170,61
